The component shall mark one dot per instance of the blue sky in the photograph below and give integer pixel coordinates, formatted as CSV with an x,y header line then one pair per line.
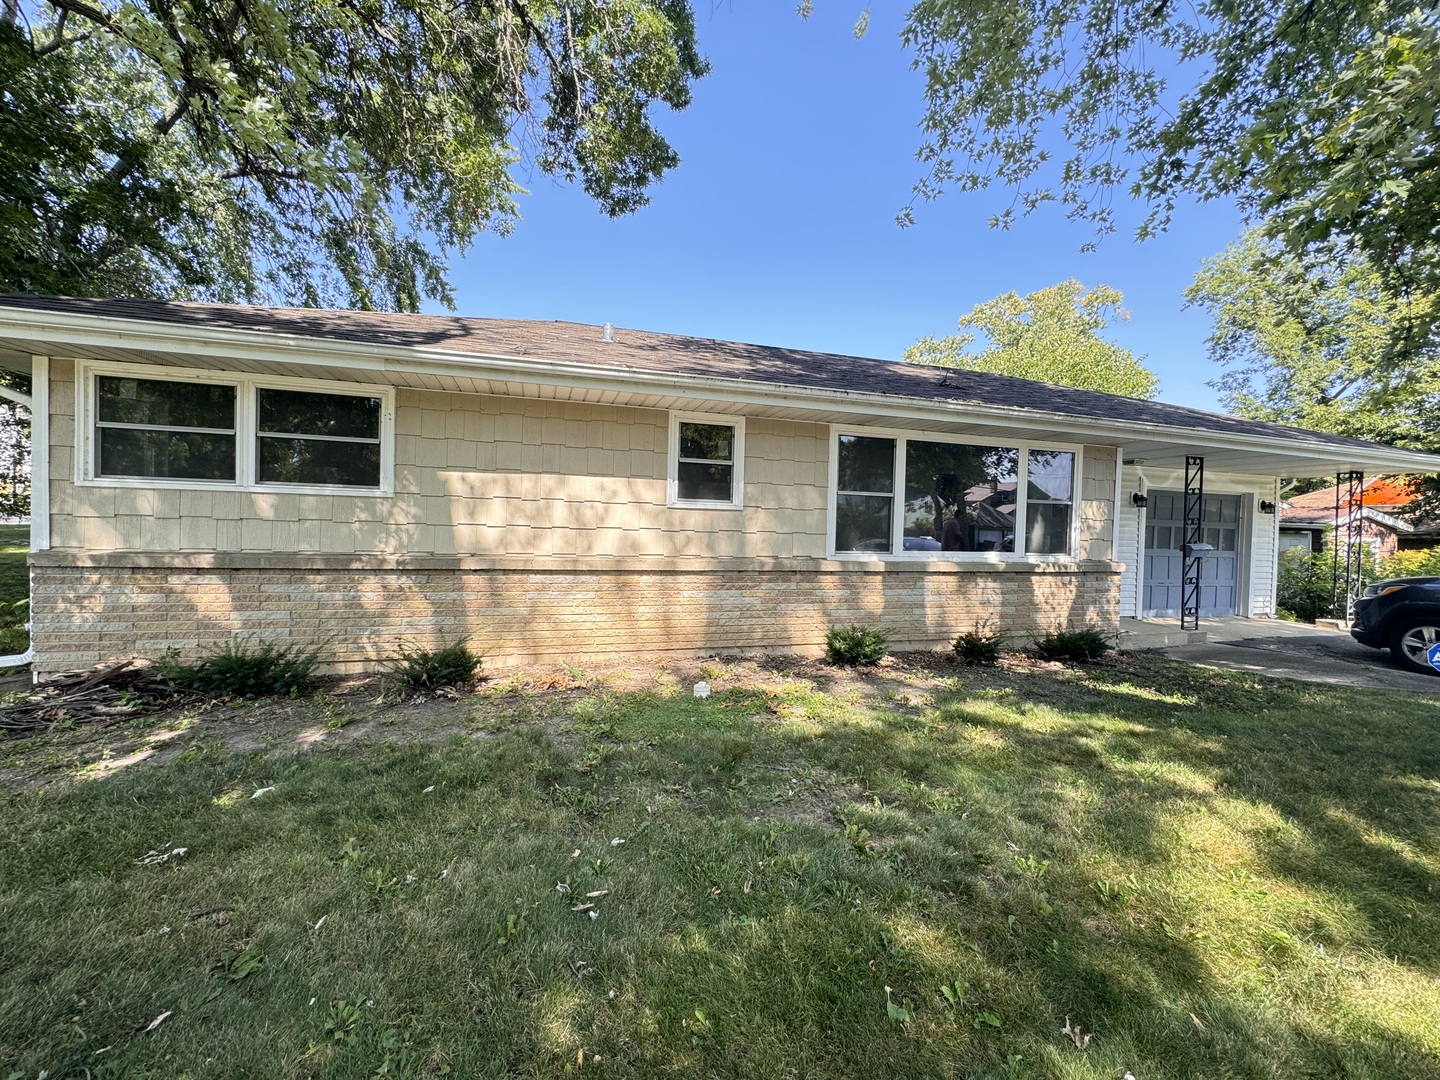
x,y
778,226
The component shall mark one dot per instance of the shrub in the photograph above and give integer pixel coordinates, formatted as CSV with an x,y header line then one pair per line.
x,y
1306,586
1304,589
1421,563
1078,645
427,670
244,669
979,646
853,646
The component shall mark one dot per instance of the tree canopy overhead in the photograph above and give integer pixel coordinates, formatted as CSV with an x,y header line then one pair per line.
x,y
1302,342
1052,335
1319,119
314,151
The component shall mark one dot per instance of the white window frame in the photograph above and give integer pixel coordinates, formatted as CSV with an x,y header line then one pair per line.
x,y
897,521
247,389
737,474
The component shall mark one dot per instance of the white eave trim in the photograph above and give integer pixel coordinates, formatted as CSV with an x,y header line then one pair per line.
x,y
1367,513
82,330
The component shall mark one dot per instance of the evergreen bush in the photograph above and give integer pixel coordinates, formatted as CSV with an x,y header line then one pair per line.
x,y
855,646
427,670
244,669
1074,645
978,647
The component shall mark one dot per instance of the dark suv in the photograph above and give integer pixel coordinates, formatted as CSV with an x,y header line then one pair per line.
x,y
1403,615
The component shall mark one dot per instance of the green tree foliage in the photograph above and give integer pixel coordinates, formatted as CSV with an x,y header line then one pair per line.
x,y
1319,118
1051,335
1305,590
314,151
14,450
1302,341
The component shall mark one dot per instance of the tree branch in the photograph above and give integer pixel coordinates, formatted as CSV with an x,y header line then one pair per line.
x,y
98,16
255,171
60,40
557,67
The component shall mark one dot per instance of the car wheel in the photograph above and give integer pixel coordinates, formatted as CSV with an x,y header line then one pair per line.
x,y
1410,644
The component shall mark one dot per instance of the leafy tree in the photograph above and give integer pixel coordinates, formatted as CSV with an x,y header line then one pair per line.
x,y
14,450
1052,335
313,151
1302,341
1318,118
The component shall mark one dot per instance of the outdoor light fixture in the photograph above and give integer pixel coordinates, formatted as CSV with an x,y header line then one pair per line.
x,y
1139,499
1267,508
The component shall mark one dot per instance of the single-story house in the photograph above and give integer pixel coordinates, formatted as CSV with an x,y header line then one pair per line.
x,y
1377,508
562,491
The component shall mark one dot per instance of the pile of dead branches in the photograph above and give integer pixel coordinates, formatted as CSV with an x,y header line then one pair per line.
x,y
105,695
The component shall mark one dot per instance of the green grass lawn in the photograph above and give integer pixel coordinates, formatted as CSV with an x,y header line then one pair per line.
x,y
14,587
918,872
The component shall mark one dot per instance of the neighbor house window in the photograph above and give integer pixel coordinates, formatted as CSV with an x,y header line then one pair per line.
x,y
226,428
159,428
306,438
956,497
706,461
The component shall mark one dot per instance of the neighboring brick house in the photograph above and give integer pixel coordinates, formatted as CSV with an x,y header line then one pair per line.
x,y
1307,521
560,490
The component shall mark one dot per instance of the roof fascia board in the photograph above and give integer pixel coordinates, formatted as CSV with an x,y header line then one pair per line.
x,y
265,346
1387,520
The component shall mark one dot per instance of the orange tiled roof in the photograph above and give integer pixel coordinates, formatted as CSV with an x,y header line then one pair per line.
x,y
1381,491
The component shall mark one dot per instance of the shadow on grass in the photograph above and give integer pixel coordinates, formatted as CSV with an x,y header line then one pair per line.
x,y
1219,877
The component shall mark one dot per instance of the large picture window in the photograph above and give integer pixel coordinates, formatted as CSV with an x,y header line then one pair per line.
x,y
222,429
959,497
955,497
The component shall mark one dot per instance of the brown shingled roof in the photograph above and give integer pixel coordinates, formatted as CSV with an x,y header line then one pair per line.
x,y
638,350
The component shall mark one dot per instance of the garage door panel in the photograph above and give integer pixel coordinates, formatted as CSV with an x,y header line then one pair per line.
x,y
1165,561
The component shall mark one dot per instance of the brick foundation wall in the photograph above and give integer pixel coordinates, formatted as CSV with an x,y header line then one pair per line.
x,y
115,606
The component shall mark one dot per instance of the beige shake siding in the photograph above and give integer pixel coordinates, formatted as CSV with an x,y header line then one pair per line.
x,y
540,527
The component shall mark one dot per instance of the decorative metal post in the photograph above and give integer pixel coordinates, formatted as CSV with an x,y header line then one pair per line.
x,y
1348,538
1194,534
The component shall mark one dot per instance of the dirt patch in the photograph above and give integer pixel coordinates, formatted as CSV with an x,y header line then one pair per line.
x,y
347,709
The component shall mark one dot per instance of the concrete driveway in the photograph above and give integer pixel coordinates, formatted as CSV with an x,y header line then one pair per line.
x,y
1298,651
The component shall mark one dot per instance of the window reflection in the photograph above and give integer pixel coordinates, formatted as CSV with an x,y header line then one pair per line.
x,y
1048,501
959,498
864,504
